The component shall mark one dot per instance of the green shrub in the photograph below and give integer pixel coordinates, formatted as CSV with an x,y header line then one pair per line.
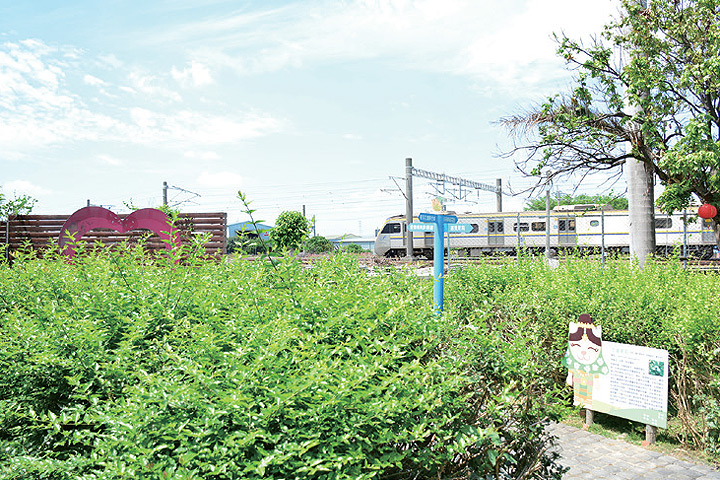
x,y
124,366
661,306
248,243
353,248
318,244
291,229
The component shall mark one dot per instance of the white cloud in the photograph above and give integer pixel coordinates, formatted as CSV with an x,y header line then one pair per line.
x,y
192,128
497,42
94,81
152,86
39,107
220,179
196,75
110,61
202,155
109,160
23,187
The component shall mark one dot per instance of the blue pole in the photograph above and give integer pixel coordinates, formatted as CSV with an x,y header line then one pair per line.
x,y
438,264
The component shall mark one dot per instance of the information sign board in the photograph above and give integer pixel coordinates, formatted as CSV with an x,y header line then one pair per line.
x,y
437,218
636,387
458,228
421,227
627,381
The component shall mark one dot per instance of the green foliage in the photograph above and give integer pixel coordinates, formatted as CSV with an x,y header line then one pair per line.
x,y
617,203
661,306
670,77
259,245
353,248
291,228
318,244
21,205
119,365
246,242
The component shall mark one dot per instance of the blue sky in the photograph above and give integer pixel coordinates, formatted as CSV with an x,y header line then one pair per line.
x,y
313,102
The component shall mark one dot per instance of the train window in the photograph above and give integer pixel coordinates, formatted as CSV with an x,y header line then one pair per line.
x,y
524,227
538,226
663,222
391,228
495,227
594,223
475,228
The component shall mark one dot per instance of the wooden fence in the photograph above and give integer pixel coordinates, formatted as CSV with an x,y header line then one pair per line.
x,y
41,231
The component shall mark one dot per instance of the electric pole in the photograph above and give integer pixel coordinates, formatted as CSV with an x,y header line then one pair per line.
x,y
165,189
408,207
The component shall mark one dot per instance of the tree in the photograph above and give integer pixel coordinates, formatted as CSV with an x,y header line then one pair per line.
x,y
21,205
651,80
291,228
617,203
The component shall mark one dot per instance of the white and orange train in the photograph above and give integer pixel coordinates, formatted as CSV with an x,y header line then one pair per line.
x,y
571,227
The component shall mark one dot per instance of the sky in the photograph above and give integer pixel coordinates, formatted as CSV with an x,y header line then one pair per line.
x,y
311,104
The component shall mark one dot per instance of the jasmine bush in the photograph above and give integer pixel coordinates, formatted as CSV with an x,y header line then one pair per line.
x,y
120,365
661,306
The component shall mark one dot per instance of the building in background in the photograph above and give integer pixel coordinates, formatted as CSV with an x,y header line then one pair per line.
x,y
366,243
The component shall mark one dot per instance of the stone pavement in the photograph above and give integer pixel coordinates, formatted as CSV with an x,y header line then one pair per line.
x,y
594,457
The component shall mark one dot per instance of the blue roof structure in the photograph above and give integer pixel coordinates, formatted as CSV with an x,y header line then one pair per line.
x,y
238,228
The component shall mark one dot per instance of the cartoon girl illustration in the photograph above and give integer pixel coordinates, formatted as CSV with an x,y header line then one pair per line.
x,y
584,359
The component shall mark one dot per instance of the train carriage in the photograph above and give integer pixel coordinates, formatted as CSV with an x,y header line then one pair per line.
x,y
572,227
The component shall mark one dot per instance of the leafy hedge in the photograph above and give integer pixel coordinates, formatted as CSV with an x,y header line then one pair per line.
x,y
661,306
124,366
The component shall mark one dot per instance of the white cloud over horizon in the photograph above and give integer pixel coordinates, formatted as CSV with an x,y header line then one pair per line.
x,y
460,37
39,106
277,97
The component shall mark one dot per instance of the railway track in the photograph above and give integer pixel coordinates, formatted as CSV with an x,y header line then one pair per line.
x,y
693,264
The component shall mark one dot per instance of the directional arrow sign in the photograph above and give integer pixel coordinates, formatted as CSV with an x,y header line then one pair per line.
x,y
421,227
458,227
437,218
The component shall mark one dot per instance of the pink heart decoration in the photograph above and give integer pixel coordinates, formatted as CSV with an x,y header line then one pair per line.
x,y
90,218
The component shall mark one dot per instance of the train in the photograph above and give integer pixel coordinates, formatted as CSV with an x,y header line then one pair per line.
x,y
585,228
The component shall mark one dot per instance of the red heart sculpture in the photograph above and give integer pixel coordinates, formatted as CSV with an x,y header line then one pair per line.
x,y
90,218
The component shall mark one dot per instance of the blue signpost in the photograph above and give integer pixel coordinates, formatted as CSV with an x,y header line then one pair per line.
x,y
439,224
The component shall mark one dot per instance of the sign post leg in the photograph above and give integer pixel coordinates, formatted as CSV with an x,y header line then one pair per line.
x,y
589,418
438,267
650,435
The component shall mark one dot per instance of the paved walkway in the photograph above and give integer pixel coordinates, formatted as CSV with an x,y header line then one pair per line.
x,y
594,457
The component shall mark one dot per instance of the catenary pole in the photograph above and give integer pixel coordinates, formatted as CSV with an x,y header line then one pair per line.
x,y
498,194
547,219
408,206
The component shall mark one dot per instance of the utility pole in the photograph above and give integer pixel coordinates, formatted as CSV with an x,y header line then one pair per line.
x,y
547,217
641,198
498,194
442,178
165,189
409,206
